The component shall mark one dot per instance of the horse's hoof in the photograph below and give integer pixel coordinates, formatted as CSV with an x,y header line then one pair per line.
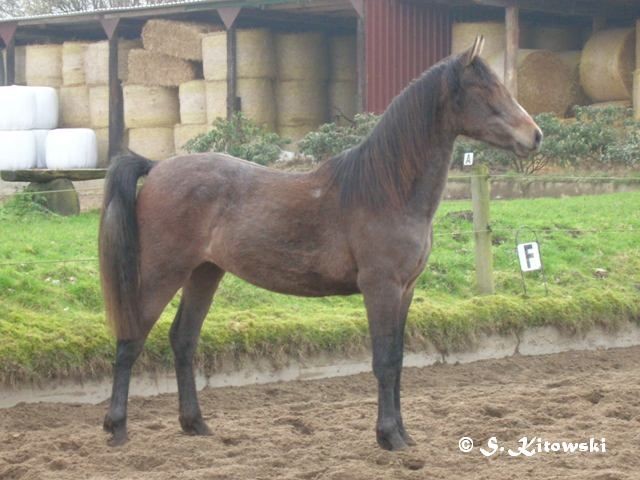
x,y
195,426
391,439
117,429
408,439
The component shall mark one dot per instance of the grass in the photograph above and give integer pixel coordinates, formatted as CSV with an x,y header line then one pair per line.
x,y
51,319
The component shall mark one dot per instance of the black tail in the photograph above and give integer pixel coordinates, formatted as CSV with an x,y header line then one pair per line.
x,y
119,245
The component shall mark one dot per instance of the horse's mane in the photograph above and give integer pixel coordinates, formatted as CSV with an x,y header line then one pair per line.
x,y
382,169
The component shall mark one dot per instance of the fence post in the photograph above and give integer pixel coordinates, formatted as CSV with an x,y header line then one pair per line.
x,y
480,198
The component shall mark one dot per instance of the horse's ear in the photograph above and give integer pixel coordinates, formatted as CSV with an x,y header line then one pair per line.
x,y
474,51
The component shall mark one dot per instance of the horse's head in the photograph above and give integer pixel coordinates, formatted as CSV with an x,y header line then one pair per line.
x,y
486,110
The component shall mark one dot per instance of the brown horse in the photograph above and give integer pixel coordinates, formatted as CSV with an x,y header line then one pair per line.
x,y
360,223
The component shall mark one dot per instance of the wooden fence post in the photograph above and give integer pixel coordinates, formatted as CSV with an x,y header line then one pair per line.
x,y
480,198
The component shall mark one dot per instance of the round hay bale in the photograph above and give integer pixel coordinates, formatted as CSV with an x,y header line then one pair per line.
x,y
554,38
102,140
73,63
74,106
183,133
193,102
257,100
607,64
151,68
146,106
342,100
152,143
214,56
96,61
174,38
255,53
99,106
342,57
302,56
69,148
18,150
572,60
544,81
301,102
44,65
463,34
216,96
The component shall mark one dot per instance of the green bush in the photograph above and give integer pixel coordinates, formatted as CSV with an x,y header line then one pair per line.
x,y
241,138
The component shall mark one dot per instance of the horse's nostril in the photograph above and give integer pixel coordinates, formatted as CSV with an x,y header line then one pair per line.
x,y
537,138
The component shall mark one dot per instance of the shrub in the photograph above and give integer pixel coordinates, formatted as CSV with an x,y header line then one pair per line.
x,y
241,138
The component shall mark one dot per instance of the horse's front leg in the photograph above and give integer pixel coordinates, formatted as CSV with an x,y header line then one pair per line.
x,y
404,311
384,301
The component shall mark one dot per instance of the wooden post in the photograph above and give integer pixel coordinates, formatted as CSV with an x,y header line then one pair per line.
x,y
361,69
232,82
480,198
512,24
636,76
8,34
116,109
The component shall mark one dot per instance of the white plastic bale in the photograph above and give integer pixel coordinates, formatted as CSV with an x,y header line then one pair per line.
x,y
193,102
99,106
41,147
73,63
47,107
70,148
18,150
18,108
44,65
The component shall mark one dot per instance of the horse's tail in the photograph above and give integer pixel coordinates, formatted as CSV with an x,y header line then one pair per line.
x,y
119,245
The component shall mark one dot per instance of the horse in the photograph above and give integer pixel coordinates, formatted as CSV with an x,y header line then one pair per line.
x,y
360,223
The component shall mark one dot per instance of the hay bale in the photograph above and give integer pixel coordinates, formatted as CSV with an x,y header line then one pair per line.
x,y
463,34
102,139
342,57
554,38
96,61
193,102
216,96
183,133
74,106
151,68
43,65
342,100
607,65
572,60
636,94
302,56
214,56
174,38
146,106
99,106
544,81
153,143
621,104
73,63
257,100
301,102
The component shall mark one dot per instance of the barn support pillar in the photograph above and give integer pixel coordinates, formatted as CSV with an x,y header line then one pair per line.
x,y
636,76
229,16
512,24
116,107
8,34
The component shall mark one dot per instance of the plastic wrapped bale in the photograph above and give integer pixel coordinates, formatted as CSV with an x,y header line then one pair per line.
x,y
18,150
102,142
73,63
183,133
99,106
302,56
301,102
96,61
44,65
342,58
19,110
146,106
47,107
342,100
193,102
69,148
153,143
174,38
463,34
554,38
257,100
74,106
544,81
216,93
607,65
572,60
41,147
151,68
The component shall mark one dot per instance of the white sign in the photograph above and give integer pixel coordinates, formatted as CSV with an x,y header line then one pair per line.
x,y
468,159
529,255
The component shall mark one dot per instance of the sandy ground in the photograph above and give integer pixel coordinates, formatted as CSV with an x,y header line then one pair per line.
x,y
324,429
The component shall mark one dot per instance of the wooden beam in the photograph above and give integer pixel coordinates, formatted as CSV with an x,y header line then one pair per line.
x,y
361,66
358,5
512,23
116,109
10,67
43,175
232,99
229,15
567,8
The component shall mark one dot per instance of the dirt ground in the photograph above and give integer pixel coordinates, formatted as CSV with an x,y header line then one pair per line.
x,y
324,429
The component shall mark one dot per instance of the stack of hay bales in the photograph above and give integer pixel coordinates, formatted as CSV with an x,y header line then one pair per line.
x,y
571,58
343,87
301,89
255,74
193,113
43,65
74,93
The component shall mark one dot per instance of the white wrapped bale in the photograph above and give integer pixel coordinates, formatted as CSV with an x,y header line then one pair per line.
x,y
146,106
342,57
151,68
193,102
183,133
74,106
73,63
102,142
99,106
41,147
174,38
301,102
96,61
153,143
47,107
302,56
216,93
463,34
342,100
19,111
44,65
69,148
257,100
607,65
18,150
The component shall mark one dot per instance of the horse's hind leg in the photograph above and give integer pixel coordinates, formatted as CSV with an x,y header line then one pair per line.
x,y
197,295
